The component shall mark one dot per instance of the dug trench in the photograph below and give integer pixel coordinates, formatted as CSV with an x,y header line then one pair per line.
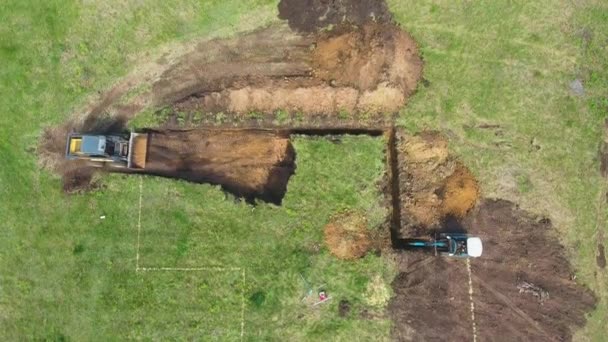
x,y
252,164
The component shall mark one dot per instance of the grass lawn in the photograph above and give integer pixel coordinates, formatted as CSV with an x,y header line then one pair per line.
x,y
65,273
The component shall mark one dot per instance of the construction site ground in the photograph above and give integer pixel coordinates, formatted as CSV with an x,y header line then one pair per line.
x,y
296,153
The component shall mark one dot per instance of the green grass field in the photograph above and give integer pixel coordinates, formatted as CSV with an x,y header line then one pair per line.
x,y
67,274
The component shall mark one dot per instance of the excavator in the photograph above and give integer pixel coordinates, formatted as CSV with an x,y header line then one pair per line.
x,y
113,150
451,245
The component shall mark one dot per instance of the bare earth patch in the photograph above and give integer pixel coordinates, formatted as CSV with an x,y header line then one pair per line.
x,y
523,289
434,185
346,236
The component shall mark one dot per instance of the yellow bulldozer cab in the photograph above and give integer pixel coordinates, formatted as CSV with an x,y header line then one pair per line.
x,y
75,145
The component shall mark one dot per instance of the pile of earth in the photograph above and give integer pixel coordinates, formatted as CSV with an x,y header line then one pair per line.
x,y
347,236
523,285
433,186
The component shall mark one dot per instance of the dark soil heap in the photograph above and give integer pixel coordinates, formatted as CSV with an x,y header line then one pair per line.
x,y
312,15
523,288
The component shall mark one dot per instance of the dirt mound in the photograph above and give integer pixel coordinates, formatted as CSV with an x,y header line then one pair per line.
x,y
367,57
346,236
522,286
250,164
373,68
600,259
312,15
432,184
459,193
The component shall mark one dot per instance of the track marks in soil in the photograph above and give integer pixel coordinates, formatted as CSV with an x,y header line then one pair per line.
x,y
521,247
601,256
517,247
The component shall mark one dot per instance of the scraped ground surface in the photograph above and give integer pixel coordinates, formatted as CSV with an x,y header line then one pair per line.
x,y
372,68
249,164
364,64
432,293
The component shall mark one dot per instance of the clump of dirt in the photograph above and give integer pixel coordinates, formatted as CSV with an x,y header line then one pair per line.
x,y
313,15
249,164
601,256
520,252
459,193
433,185
346,235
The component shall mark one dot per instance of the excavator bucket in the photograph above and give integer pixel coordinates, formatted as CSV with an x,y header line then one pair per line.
x,y
138,150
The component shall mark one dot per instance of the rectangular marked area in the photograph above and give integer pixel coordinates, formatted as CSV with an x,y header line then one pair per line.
x,y
186,227
193,306
189,225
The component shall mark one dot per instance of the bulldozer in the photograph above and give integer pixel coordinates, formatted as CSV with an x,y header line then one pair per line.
x,y
114,150
451,245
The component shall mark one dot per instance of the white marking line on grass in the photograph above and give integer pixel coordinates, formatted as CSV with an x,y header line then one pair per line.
x,y
243,308
141,187
471,299
209,268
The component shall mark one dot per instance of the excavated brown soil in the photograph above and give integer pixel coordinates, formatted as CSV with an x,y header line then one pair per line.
x,y
346,235
523,287
373,68
433,186
249,164
357,74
